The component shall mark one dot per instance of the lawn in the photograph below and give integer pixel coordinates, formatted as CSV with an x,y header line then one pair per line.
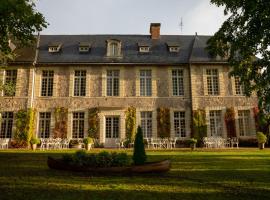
x,y
213,174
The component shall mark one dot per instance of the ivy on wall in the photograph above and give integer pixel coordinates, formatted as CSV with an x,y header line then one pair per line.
x,y
61,119
131,123
93,122
163,122
199,127
261,121
25,126
230,122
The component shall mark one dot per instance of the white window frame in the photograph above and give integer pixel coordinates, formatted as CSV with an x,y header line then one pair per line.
x,y
174,49
179,124
238,87
113,82
47,83
147,123
44,129
112,127
178,82
10,77
212,81
244,122
7,120
145,82
80,83
144,49
215,123
78,124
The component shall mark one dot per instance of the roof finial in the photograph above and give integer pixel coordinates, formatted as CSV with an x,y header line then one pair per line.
x,y
181,24
196,33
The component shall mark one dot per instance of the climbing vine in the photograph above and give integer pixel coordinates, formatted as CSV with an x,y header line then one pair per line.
x,y
261,121
131,123
61,119
230,122
93,122
163,122
25,126
199,128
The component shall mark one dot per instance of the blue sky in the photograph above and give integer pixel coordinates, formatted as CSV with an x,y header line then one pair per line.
x,y
130,16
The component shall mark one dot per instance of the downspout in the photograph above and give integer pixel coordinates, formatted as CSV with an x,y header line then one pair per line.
x,y
34,72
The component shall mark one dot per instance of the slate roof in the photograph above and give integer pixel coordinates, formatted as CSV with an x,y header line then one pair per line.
x,y
192,49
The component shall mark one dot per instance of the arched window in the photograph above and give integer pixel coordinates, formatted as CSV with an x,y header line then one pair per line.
x,y
113,48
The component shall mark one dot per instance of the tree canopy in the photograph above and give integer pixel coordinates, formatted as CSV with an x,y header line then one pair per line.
x,y
243,36
18,22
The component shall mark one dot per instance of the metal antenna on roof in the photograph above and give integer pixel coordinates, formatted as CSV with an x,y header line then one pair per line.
x,y
181,24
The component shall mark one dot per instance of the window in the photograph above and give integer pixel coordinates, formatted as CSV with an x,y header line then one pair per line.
x,y
112,127
179,124
79,83
178,82
6,125
238,86
212,81
44,124
78,125
174,49
144,49
54,47
215,123
244,121
47,83
83,49
10,79
145,82
146,123
113,82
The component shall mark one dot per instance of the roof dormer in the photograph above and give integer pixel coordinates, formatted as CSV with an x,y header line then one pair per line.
x,y
113,48
84,47
144,47
173,47
54,47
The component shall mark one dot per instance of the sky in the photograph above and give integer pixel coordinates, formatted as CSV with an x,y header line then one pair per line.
x,y
130,16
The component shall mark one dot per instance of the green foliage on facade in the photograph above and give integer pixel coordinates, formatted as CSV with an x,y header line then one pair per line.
x,y
199,128
139,156
262,120
61,119
25,126
131,123
8,88
163,122
93,123
230,122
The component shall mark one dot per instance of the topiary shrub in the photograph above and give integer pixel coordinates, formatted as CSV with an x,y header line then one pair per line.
x,y
139,156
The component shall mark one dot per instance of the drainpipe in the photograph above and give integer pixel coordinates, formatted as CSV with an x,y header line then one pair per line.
x,y
34,72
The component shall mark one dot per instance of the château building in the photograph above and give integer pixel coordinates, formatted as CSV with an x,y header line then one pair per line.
x,y
115,72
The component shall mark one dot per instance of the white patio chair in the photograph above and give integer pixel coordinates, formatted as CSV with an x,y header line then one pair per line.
x,y
4,143
234,141
173,142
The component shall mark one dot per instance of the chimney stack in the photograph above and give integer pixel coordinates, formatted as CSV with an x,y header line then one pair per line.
x,y
155,31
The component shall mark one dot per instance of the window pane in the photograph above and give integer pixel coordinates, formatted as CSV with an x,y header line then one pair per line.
x,y
10,78
179,124
212,81
244,121
44,124
146,124
78,125
47,83
112,127
112,82
80,83
6,125
215,123
178,82
145,83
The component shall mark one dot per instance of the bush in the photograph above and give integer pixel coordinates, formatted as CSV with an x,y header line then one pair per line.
x,y
139,156
102,159
35,141
192,141
88,140
261,138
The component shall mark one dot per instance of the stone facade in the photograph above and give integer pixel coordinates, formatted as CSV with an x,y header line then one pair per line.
x,y
195,95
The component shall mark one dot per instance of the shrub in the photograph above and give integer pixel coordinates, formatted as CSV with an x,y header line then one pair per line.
x,y
139,156
261,138
34,140
102,159
192,141
88,140
130,124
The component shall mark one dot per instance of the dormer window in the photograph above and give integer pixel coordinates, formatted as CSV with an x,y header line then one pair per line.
x,y
144,47
173,47
54,47
113,48
84,47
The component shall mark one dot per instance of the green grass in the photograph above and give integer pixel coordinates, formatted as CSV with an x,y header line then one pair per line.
x,y
220,174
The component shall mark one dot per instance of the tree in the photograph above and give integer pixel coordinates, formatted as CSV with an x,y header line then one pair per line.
x,y
243,36
18,22
139,156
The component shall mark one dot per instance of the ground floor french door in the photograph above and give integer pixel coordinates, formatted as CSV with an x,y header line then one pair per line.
x,y
112,130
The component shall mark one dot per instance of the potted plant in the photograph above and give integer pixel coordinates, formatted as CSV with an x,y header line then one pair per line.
x,y
261,139
193,143
88,142
34,142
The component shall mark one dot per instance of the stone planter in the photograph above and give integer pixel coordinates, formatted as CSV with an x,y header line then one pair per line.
x,y
34,147
88,147
261,145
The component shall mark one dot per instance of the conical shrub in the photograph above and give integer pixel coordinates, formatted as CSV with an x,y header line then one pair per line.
x,y
139,156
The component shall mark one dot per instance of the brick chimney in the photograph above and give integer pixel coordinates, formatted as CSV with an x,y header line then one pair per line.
x,y
155,30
